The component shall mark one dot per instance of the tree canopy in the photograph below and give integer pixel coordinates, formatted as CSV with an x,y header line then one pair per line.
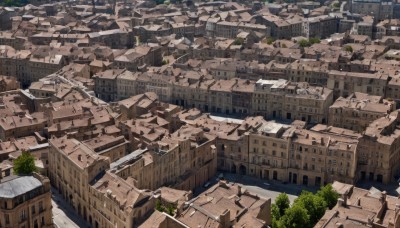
x,y
238,41
295,217
309,42
306,210
24,164
282,202
348,48
329,195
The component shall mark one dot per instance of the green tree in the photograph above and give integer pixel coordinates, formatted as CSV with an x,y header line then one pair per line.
x,y
304,43
295,217
159,206
238,41
348,48
24,164
269,40
314,40
282,202
329,195
171,210
314,204
275,211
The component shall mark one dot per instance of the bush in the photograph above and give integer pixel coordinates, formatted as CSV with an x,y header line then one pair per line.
x,y
169,209
348,48
269,40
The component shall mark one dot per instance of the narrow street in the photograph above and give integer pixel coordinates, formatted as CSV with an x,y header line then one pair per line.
x,y
63,213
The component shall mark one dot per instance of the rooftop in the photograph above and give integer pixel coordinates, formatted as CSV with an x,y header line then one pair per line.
x,y
18,185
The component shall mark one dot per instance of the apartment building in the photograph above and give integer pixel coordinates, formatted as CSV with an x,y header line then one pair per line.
x,y
8,38
139,57
108,146
319,27
345,83
322,155
268,151
105,84
25,201
78,173
285,100
379,9
115,38
378,150
202,211
117,202
185,159
72,166
14,126
358,111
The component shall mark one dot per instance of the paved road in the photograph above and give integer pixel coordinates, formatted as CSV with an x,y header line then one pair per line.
x,y
63,213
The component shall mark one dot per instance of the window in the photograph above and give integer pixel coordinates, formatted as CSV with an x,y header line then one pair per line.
x,y
40,206
23,215
33,209
7,218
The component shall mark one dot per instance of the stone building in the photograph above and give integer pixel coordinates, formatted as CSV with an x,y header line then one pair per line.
x,y
379,154
362,208
72,167
357,111
379,9
21,125
268,151
345,83
185,160
322,155
251,211
25,201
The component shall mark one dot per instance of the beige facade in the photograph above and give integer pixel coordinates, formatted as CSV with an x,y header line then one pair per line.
x,y
26,202
345,83
72,167
186,160
357,111
322,156
268,152
379,154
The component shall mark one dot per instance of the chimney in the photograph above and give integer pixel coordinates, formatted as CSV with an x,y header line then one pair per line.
x,y
383,197
342,202
224,219
90,121
239,193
